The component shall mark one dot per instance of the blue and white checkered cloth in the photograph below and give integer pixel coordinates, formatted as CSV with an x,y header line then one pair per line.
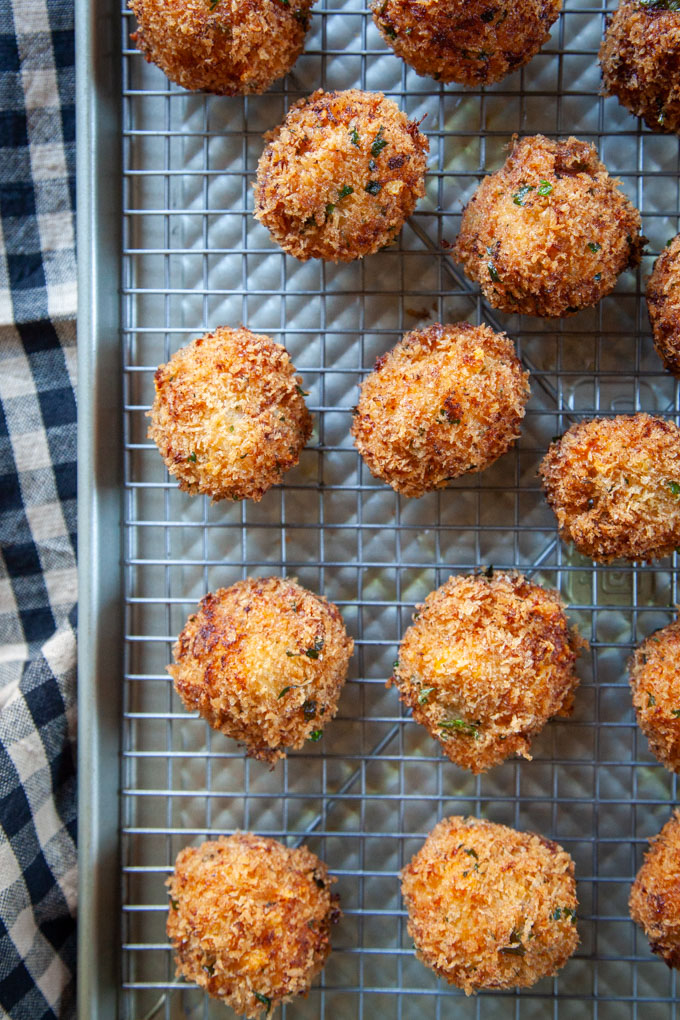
x,y
37,510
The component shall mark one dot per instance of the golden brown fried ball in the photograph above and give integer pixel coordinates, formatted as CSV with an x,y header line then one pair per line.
x,y
640,58
229,416
488,660
444,401
548,233
263,661
472,42
655,682
230,47
249,920
655,896
338,178
663,304
614,485
490,907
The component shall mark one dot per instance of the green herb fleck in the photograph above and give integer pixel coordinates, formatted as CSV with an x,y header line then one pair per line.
x,y
213,4
395,664
660,5
594,246
473,853
354,136
285,689
424,695
345,190
209,969
313,652
675,712
519,196
309,709
329,209
493,272
557,914
303,393
379,143
319,882
488,573
264,999
373,187
372,165
174,904
192,458
460,726
544,187
389,31
651,700
316,735
674,487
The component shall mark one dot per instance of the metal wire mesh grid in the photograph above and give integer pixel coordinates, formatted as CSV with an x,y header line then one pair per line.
x,y
365,797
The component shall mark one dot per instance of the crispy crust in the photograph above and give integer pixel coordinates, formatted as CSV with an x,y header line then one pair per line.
x,y
663,304
614,485
249,920
329,143
444,401
640,58
548,233
263,661
490,907
655,896
486,663
230,47
229,417
655,683
472,42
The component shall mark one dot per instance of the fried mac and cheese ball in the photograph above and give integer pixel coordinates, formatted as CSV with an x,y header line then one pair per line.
x,y
655,896
655,682
490,907
472,42
249,920
487,661
230,47
550,232
663,305
263,661
340,176
640,58
444,401
229,416
614,485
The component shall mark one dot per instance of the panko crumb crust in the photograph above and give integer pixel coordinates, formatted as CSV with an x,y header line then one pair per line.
x,y
663,304
229,416
490,907
614,486
249,920
487,661
471,42
655,895
655,683
550,232
640,59
339,177
264,662
444,401
229,47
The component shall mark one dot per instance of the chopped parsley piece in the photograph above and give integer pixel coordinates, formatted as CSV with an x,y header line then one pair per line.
x,y
493,272
651,700
345,190
373,187
395,664
354,136
473,853
192,458
174,904
379,143
519,196
329,209
544,187
319,882
660,5
264,999
424,695
594,246
309,709
674,487
209,969
213,4
675,712
285,689
316,735
389,31
303,393
313,652
460,726
564,912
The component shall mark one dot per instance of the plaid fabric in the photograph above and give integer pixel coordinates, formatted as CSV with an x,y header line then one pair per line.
x,y
37,510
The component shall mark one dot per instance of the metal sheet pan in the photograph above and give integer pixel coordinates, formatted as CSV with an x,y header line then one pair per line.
x,y
193,257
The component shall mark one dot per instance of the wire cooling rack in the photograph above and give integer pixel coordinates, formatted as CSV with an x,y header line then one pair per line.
x,y
367,794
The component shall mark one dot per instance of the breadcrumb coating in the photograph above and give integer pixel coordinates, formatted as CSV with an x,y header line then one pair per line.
x,y
655,682
655,896
472,42
229,415
444,401
487,661
663,304
249,920
490,907
340,176
263,661
230,47
614,485
640,58
550,232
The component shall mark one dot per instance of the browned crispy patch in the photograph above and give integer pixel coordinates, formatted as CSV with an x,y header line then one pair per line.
x,y
655,683
640,58
263,661
614,485
229,416
490,907
249,920
655,895
663,303
550,232
338,178
486,663
444,401
230,47
472,42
